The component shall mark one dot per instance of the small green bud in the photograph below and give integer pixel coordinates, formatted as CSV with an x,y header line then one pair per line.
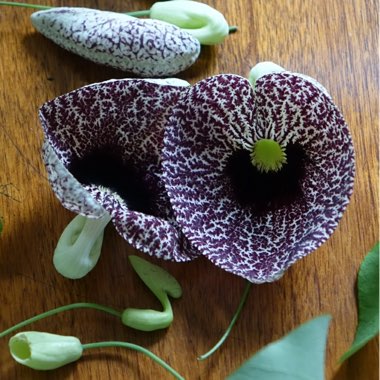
x,y
200,20
261,69
162,284
44,351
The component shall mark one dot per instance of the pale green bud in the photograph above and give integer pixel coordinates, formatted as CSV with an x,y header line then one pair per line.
x,y
267,67
162,284
200,20
44,351
261,69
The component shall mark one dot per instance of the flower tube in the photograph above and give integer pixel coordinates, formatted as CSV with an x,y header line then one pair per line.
x,y
102,154
79,246
258,177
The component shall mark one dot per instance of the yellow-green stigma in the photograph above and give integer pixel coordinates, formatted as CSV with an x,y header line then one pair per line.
x,y
268,155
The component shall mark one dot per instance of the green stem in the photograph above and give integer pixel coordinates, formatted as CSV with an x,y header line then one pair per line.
x,y
59,310
145,13
136,348
231,325
25,5
232,29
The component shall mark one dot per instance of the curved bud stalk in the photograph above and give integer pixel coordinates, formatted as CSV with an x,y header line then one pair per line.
x,y
79,246
203,22
44,351
162,284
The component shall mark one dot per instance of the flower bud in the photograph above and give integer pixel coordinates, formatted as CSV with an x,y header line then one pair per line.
x,y
261,69
200,20
44,351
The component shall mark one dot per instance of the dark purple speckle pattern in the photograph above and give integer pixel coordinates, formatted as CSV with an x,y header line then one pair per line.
x,y
128,115
148,48
222,114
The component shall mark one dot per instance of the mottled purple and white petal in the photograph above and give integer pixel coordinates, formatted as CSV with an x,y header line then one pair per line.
x,y
149,48
68,190
252,224
102,153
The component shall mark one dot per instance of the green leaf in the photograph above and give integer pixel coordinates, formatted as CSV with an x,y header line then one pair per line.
x,y
300,355
368,299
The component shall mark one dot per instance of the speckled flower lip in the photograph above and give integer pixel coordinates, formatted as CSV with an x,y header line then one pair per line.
x,y
102,154
253,223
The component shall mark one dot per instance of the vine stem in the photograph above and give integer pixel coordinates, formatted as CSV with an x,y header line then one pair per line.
x,y
79,305
231,325
143,13
25,5
135,347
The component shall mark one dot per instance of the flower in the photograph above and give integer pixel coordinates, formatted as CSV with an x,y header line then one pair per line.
x,y
253,209
200,20
44,351
102,153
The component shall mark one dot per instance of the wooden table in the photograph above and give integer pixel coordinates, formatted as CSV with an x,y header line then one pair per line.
x,y
332,40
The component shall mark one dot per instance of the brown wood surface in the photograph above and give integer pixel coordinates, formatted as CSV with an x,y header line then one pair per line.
x,y
334,41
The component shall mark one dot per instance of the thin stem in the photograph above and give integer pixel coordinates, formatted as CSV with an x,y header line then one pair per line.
x,y
59,310
136,348
231,325
25,5
144,13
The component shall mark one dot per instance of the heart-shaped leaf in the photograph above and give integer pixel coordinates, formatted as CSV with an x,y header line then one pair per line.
x,y
299,355
368,299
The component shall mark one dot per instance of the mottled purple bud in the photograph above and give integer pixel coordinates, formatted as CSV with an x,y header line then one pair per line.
x,y
145,47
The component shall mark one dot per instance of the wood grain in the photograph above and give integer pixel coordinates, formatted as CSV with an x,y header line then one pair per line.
x,y
332,40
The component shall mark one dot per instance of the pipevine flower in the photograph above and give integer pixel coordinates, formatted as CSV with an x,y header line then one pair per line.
x,y
102,153
257,177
